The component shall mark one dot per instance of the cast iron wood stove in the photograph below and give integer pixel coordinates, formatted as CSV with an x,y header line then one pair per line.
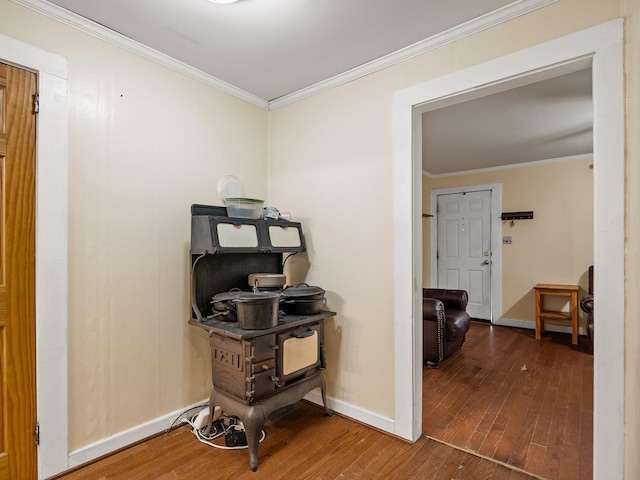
x,y
255,373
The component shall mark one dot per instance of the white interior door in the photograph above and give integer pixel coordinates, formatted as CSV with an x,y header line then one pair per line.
x,y
464,247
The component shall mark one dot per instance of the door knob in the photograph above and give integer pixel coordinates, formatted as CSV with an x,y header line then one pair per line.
x,y
486,262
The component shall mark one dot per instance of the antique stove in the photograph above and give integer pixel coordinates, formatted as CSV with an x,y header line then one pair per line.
x,y
255,372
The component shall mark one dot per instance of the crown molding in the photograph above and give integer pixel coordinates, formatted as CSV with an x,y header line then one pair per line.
x,y
504,14
534,163
501,15
77,21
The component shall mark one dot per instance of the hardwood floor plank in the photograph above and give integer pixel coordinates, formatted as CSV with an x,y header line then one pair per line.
x,y
356,468
535,458
494,436
443,458
473,468
523,440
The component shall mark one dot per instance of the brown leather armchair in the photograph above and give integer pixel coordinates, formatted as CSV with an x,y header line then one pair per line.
x,y
445,323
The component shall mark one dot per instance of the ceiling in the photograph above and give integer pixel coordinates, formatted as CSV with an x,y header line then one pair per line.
x,y
547,120
272,48
271,52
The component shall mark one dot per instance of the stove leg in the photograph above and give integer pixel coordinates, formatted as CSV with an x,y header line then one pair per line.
x,y
323,390
253,423
253,417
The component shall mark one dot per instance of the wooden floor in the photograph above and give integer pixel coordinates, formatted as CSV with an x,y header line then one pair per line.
x,y
520,401
504,396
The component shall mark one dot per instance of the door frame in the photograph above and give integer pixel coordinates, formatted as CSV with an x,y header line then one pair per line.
x,y
496,239
51,249
603,47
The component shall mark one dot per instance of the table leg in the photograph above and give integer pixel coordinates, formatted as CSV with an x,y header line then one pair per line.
x,y
539,321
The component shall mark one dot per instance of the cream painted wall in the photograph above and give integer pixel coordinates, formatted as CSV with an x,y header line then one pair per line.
x,y
331,169
145,143
335,149
556,246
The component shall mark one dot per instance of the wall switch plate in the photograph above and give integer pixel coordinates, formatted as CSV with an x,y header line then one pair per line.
x,y
506,240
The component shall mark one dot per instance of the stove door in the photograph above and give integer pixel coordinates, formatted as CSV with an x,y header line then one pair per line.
x,y
299,351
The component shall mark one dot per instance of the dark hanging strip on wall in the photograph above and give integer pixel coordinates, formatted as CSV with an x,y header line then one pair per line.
x,y
517,215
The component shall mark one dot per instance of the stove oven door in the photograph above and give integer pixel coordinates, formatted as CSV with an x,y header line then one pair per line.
x,y
299,352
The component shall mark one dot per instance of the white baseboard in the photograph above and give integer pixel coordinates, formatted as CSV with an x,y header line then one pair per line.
x,y
126,438
372,419
157,425
549,325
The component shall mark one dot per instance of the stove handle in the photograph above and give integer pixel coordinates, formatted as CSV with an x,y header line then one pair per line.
x,y
307,333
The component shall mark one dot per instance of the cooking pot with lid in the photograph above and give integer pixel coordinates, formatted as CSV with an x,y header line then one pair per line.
x,y
303,299
302,306
257,311
223,306
303,291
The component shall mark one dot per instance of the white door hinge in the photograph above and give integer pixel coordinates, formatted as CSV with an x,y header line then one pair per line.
x,y
36,103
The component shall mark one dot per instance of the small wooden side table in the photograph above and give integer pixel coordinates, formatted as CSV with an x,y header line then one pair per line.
x,y
543,289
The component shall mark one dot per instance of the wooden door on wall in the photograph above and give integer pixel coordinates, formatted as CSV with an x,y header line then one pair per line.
x,y
18,455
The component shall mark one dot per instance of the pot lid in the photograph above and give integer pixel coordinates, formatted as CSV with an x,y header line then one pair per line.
x,y
302,290
248,297
267,279
227,296
267,275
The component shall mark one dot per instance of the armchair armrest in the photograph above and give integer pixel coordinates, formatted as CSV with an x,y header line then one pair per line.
x,y
454,299
433,330
433,310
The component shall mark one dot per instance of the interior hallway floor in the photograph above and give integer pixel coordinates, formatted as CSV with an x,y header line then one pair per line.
x,y
517,400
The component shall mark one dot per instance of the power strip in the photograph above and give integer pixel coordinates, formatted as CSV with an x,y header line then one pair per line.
x,y
203,418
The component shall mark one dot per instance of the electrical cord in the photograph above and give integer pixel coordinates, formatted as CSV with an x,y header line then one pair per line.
x,y
179,417
208,439
288,257
219,429
194,305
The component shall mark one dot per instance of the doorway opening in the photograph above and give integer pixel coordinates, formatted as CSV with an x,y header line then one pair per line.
x,y
603,47
459,249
